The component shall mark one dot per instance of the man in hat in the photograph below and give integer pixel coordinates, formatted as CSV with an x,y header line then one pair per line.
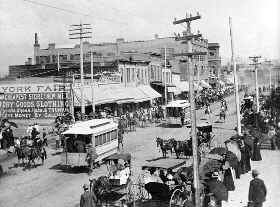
x,y
91,155
88,198
257,190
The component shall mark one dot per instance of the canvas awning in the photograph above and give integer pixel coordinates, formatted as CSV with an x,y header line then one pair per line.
x,y
115,94
150,92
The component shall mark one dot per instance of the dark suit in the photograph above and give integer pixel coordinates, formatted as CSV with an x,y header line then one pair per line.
x,y
257,192
88,199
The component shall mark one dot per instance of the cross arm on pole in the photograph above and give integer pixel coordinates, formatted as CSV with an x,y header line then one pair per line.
x,y
187,19
188,37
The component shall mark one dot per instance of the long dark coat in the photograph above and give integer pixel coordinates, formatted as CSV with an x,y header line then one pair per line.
x,y
247,158
88,199
228,180
257,191
256,156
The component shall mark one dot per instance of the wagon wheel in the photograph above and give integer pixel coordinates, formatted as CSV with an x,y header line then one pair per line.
x,y
179,198
130,193
141,192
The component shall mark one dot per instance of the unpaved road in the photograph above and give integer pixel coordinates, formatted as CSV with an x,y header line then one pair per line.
x,y
52,186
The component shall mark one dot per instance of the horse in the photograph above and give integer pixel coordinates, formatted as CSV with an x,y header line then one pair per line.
x,y
182,146
164,145
35,151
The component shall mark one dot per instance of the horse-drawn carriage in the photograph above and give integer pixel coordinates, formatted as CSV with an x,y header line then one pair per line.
x,y
114,189
163,189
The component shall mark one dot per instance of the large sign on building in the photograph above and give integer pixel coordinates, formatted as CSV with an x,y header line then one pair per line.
x,y
40,101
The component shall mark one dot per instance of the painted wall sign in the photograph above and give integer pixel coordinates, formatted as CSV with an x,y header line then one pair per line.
x,y
40,101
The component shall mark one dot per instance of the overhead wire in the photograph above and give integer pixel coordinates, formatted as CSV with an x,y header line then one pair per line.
x,y
73,11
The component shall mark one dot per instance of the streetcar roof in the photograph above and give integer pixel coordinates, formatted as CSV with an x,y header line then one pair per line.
x,y
179,104
167,163
91,126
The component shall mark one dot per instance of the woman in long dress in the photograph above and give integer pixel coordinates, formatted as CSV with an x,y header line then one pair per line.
x,y
256,156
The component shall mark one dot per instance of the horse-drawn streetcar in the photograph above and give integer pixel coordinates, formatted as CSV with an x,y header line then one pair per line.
x,y
93,139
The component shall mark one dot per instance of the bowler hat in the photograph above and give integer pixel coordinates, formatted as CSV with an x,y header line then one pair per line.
x,y
85,186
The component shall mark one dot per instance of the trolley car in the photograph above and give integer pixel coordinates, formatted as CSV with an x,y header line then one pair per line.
x,y
101,134
174,111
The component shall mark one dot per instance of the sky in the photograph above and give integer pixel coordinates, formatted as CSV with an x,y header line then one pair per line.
x,y
256,24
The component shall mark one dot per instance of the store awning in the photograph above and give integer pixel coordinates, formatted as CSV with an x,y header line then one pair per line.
x,y
150,92
115,94
204,84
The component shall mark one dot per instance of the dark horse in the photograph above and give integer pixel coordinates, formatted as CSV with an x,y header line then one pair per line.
x,y
164,145
33,152
182,147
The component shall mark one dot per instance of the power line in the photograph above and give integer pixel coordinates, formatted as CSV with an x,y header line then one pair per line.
x,y
73,11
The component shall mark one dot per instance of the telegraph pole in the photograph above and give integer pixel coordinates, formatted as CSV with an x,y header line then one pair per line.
x,y
81,31
188,39
255,63
235,81
92,83
165,79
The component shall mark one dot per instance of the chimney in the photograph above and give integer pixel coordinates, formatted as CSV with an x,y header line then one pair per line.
x,y
36,43
156,36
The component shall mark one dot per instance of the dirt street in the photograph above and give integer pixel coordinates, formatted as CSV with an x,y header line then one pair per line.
x,y
52,186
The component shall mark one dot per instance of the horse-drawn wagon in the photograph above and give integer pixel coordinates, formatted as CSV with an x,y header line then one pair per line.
x,y
114,189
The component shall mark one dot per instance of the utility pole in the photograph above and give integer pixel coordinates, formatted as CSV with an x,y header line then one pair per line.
x,y
255,63
92,83
81,31
58,62
235,80
165,79
188,38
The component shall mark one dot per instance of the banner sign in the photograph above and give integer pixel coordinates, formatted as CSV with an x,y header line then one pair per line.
x,y
40,101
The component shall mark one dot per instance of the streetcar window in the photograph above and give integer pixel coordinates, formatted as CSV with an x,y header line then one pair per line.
x,y
97,141
100,139
108,137
103,138
114,135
